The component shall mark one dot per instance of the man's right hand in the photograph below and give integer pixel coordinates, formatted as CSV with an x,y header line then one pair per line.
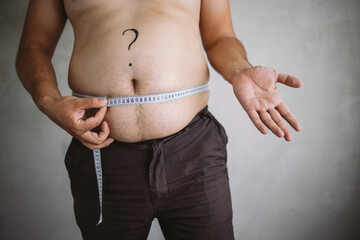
x,y
45,21
68,112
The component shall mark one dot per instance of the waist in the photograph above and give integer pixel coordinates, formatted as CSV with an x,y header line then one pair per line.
x,y
142,117
149,98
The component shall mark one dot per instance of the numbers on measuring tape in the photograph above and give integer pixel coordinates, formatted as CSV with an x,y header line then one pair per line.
x,y
155,98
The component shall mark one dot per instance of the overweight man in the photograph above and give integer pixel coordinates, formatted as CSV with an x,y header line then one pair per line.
x,y
144,143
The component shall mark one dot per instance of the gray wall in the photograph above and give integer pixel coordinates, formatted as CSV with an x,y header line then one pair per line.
x,y
306,189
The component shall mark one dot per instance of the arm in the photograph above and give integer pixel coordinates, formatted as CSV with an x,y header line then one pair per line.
x,y
225,52
254,87
44,23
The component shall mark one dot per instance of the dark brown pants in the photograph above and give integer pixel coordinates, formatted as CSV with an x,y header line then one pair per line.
x,y
181,180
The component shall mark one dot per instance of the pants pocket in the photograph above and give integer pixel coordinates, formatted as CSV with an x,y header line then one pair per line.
x,y
78,158
222,132
68,155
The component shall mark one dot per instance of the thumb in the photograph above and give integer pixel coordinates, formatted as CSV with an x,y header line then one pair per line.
x,y
92,102
289,80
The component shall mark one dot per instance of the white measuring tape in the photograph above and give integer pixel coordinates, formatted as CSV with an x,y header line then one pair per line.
x,y
98,170
151,98
136,100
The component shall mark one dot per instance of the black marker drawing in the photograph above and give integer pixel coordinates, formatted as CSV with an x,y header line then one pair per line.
x,y
136,36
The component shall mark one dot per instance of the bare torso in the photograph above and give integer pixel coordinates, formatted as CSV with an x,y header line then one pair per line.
x,y
167,56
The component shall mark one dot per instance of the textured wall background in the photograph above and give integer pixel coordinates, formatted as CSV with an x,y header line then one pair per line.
x,y
307,189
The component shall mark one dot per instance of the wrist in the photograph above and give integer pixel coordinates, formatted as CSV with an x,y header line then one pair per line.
x,y
239,70
45,101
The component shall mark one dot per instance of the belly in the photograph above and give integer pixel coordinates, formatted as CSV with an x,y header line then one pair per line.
x,y
150,121
166,56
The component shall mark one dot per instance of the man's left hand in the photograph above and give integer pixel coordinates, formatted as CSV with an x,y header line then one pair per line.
x,y
256,90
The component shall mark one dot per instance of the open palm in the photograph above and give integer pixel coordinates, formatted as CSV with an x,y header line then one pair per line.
x,y
256,90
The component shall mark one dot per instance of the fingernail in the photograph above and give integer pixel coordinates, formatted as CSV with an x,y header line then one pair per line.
x,y
103,102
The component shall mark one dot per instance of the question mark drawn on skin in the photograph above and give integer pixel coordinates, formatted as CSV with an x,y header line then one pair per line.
x,y
136,36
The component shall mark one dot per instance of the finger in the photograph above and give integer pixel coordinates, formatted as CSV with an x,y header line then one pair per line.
x,y
106,143
289,80
254,116
105,130
96,138
288,116
94,121
266,119
276,117
91,102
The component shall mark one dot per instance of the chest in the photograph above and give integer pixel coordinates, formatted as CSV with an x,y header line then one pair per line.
x,y
78,8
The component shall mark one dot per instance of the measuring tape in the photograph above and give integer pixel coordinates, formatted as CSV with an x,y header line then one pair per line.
x,y
97,161
151,98
135,100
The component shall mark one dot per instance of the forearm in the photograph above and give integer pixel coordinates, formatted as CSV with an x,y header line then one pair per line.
x,y
228,57
37,74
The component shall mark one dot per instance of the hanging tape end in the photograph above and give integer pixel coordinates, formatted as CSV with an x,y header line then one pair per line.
x,y
100,221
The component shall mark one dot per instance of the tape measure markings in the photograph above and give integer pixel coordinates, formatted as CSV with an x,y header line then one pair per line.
x,y
150,98
98,170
